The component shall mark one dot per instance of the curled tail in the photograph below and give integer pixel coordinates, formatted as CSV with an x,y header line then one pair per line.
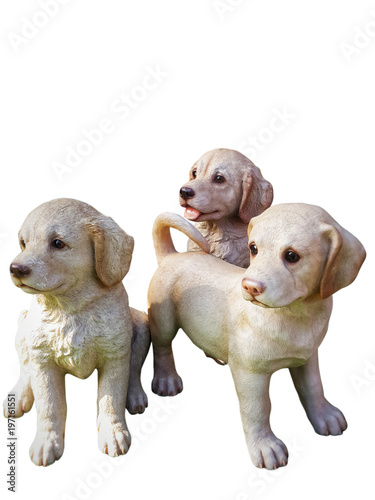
x,y
162,235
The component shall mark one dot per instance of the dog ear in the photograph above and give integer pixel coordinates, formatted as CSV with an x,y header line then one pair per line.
x,y
257,194
345,258
113,249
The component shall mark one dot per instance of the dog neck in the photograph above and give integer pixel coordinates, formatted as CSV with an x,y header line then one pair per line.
x,y
71,303
224,229
228,240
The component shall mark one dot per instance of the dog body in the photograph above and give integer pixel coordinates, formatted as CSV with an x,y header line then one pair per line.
x,y
257,338
273,315
225,190
73,261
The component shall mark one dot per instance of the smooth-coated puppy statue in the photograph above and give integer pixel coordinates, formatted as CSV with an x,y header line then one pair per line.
x,y
273,315
225,190
73,261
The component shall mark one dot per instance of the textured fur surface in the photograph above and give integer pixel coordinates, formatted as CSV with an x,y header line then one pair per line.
x,y
228,241
73,261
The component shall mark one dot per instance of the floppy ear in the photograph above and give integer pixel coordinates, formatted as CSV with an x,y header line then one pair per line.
x,y
113,250
257,194
345,258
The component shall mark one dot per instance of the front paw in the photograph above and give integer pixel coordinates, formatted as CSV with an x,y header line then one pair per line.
x,y
47,447
326,419
167,385
23,403
268,452
136,401
113,439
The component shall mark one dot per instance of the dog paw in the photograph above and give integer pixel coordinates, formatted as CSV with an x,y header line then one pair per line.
x,y
113,439
47,447
136,401
326,419
23,403
269,452
170,385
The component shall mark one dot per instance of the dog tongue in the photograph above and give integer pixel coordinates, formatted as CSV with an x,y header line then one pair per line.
x,y
191,213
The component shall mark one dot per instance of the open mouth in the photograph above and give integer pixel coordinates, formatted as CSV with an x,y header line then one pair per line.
x,y
193,214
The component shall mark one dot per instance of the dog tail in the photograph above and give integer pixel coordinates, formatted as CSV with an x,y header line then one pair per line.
x,y
162,235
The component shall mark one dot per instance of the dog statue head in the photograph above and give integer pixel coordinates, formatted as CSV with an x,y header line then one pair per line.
x,y
298,251
224,184
66,245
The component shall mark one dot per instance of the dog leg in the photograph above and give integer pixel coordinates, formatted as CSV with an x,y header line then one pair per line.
x,y
266,450
48,386
22,390
166,381
136,401
24,397
113,435
325,418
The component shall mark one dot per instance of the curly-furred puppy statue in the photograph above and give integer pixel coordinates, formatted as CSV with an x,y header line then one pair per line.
x,y
225,190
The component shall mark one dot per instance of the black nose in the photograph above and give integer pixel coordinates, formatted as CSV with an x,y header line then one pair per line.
x,y
19,271
186,193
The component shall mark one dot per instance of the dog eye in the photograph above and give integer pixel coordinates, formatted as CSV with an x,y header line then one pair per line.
x,y
22,244
292,257
193,174
219,179
253,249
58,244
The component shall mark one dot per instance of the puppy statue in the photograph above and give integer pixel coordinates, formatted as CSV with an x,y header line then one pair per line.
x,y
225,190
273,315
73,260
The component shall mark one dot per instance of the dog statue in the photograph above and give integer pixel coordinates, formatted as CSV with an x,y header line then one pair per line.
x,y
225,190
73,261
273,315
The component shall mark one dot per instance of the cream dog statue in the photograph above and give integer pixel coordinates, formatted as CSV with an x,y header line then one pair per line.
x,y
73,261
273,315
225,190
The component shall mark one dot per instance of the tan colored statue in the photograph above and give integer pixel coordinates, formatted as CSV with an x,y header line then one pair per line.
x,y
273,315
73,261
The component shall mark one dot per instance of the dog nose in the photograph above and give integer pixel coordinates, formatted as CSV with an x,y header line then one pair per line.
x,y
253,287
19,271
186,193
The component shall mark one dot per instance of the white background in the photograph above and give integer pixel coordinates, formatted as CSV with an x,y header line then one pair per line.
x,y
225,74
